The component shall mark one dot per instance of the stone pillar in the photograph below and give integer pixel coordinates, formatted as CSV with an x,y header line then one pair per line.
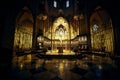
x,y
88,34
34,40
69,35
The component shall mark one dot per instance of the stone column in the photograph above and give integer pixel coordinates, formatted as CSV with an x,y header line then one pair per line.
x,y
34,40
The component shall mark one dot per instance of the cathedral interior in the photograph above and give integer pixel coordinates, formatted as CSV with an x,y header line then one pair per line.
x,y
59,40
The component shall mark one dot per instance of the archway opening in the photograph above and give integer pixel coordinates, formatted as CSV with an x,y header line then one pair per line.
x,y
23,31
60,37
102,36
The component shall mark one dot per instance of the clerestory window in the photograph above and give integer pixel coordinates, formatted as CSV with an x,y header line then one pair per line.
x,y
55,4
67,3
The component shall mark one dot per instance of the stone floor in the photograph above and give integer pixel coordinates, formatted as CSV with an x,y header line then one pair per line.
x,y
89,67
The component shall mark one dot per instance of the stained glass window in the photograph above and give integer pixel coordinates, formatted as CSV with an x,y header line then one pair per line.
x,y
55,4
95,27
67,3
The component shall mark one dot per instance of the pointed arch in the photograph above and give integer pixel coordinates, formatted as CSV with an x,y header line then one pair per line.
x,y
60,21
23,30
103,38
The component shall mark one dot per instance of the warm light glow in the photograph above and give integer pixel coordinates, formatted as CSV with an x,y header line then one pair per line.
x,y
100,66
61,68
65,52
29,58
75,17
60,34
21,66
53,33
39,39
93,57
60,29
60,21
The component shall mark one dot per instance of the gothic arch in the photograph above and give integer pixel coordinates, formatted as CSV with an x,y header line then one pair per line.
x,y
23,30
101,29
60,21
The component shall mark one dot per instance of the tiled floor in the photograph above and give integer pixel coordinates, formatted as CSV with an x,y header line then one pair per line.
x,y
90,67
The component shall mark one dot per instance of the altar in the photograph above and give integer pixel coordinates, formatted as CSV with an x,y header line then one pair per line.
x,y
60,49
60,52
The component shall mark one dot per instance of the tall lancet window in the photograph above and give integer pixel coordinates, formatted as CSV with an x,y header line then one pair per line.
x,y
67,3
55,3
